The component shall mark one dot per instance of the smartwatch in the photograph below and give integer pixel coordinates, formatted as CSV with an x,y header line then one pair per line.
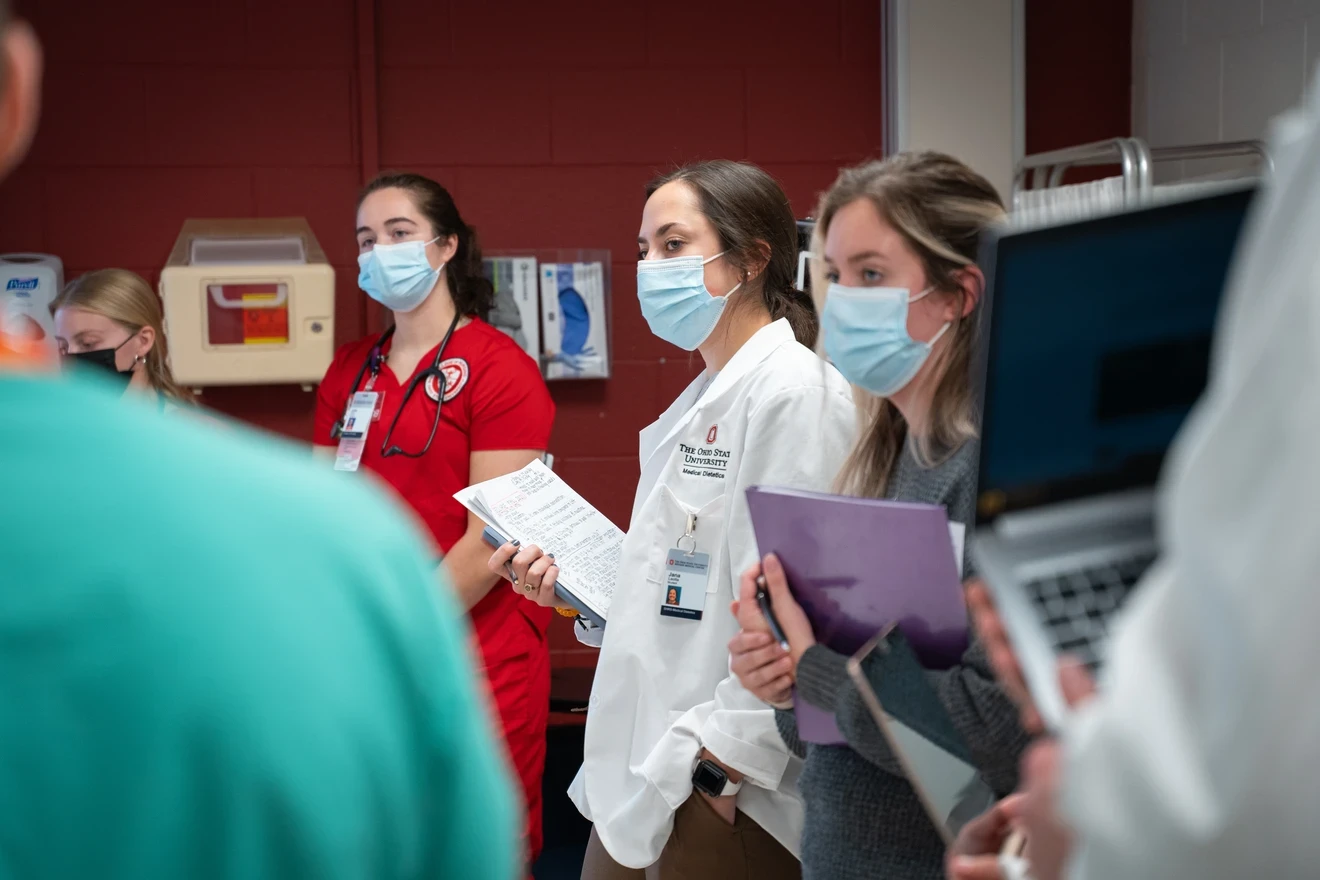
x,y
710,779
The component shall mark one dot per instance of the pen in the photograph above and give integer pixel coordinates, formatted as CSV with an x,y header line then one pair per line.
x,y
763,601
508,566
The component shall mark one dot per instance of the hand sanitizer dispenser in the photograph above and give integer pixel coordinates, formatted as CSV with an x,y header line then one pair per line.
x,y
29,283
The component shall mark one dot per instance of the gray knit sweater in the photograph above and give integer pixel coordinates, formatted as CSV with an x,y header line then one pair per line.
x,y
863,819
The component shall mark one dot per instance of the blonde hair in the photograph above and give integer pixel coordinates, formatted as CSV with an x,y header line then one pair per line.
x,y
125,298
940,207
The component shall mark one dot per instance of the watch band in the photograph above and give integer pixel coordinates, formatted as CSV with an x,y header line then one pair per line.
x,y
705,766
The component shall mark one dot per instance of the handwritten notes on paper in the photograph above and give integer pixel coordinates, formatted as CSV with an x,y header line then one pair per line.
x,y
534,506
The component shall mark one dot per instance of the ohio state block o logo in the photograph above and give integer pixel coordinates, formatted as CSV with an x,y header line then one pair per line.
x,y
456,376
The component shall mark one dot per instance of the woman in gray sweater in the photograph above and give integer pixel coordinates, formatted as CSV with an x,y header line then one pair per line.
x,y
898,239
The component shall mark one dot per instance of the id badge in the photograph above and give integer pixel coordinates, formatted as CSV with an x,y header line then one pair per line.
x,y
686,577
357,421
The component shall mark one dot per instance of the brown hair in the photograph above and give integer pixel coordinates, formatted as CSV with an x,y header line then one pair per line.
x,y
125,298
750,212
940,207
472,292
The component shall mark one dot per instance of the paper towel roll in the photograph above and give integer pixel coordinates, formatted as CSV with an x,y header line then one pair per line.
x,y
29,283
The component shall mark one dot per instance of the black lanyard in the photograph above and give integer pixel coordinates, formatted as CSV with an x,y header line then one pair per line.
x,y
373,362
374,359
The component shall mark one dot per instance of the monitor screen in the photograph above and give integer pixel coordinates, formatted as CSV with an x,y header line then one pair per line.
x,y
1098,346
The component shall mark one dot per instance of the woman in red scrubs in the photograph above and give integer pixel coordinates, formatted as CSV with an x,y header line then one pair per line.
x,y
438,402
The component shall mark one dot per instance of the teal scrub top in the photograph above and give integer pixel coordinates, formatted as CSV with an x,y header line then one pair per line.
x,y
221,660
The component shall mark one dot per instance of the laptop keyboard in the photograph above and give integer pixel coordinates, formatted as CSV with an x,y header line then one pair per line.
x,y
1076,606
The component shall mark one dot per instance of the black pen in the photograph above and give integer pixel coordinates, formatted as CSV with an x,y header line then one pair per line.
x,y
508,566
763,601
496,540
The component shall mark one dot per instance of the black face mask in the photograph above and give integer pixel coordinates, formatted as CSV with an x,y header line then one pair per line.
x,y
103,360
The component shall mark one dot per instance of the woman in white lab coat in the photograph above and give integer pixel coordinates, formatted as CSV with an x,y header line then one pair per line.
x,y
684,772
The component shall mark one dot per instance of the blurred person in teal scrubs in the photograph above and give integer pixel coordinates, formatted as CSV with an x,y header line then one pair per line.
x,y
216,660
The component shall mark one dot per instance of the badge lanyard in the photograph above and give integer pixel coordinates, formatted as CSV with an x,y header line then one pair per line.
x,y
364,407
687,575
374,359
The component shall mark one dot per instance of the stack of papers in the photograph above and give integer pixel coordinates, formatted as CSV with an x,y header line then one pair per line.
x,y
535,507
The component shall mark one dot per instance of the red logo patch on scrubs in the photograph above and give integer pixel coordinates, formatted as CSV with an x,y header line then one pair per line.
x,y
456,376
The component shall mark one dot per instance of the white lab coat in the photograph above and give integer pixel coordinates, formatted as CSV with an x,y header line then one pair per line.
x,y
1199,758
663,689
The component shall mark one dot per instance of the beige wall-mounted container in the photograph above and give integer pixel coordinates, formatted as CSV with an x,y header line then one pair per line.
x,y
248,302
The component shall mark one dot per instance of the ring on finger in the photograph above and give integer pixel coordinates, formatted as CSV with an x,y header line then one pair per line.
x,y
527,585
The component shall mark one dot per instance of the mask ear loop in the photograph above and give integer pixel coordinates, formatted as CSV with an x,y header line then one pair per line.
x,y
137,358
439,270
711,260
947,324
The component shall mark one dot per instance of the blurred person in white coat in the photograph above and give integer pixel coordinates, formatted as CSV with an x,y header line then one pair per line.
x,y
1197,756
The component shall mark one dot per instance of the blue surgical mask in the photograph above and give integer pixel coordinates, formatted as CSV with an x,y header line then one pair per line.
x,y
675,301
398,276
866,336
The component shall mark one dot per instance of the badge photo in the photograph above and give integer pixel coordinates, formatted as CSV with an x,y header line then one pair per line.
x,y
456,373
687,575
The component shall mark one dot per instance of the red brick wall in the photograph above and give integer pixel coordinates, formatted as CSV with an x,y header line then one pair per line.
x,y
544,120
1078,73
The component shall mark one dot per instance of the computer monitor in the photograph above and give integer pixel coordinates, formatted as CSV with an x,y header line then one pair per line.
x,y
1097,346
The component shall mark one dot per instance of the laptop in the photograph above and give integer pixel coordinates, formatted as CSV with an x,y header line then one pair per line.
x,y
1097,346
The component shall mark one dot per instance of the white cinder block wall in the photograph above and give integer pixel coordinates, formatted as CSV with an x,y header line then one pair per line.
x,y
1217,70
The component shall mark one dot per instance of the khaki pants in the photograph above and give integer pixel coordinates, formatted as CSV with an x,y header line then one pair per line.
x,y
702,845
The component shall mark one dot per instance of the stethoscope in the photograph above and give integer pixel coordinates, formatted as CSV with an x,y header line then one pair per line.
x,y
373,363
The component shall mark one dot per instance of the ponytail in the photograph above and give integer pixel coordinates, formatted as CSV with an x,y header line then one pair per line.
x,y
472,291
799,309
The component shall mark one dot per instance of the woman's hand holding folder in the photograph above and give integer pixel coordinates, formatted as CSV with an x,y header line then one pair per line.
x,y
756,657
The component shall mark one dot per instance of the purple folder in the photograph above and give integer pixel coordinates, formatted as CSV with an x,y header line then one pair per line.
x,y
858,564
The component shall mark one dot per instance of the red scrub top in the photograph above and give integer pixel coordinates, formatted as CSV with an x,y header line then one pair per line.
x,y
494,398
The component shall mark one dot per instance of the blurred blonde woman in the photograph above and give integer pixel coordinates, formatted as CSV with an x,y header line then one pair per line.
x,y
111,320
